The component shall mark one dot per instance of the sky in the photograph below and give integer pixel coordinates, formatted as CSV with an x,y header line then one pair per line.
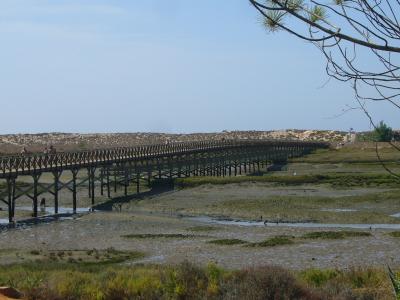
x,y
174,66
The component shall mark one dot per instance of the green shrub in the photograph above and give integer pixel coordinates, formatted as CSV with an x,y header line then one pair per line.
x,y
335,234
334,179
395,234
274,241
383,133
158,235
227,242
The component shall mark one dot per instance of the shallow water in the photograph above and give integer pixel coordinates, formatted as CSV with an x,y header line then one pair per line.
x,y
396,215
209,220
339,209
50,210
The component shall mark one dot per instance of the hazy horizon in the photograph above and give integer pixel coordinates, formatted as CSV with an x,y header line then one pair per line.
x,y
184,133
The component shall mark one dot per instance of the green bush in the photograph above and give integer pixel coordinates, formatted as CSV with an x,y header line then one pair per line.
x,y
274,241
227,242
335,234
383,133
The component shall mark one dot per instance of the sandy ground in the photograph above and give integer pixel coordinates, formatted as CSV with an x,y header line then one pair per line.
x,y
102,230
162,215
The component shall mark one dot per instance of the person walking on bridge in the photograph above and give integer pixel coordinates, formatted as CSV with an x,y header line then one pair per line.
x,y
52,150
24,151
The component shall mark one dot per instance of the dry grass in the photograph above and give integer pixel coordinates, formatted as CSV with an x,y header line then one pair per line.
x,y
186,281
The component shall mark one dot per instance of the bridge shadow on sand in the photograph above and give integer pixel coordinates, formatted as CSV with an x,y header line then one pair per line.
x,y
117,202
110,205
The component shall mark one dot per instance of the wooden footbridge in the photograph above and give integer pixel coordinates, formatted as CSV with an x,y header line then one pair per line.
x,y
110,169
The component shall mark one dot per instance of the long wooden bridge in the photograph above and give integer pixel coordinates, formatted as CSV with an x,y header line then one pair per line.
x,y
110,169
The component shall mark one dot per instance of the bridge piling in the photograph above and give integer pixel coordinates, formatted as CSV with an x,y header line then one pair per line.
x,y
115,181
36,178
74,190
56,176
126,181
102,182
10,198
137,182
92,171
108,182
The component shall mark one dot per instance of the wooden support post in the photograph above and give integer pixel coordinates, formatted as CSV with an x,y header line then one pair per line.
x,y
108,183
138,183
179,170
102,181
159,169
11,199
74,190
126,181
115,180
91,173
35,194
186,166
56,176
89,183
149,175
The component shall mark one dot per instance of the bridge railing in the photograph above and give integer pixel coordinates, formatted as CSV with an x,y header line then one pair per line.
x,y
46,161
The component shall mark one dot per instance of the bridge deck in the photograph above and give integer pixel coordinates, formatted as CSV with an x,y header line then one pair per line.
x,y
37,163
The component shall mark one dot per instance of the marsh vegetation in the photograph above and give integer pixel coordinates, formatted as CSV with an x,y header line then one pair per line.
x,y
59,280
137,251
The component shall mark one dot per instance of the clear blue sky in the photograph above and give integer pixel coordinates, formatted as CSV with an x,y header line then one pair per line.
x,y
157,65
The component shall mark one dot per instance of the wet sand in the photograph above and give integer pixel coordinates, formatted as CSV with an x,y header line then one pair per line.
x,y
165,214
102,230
